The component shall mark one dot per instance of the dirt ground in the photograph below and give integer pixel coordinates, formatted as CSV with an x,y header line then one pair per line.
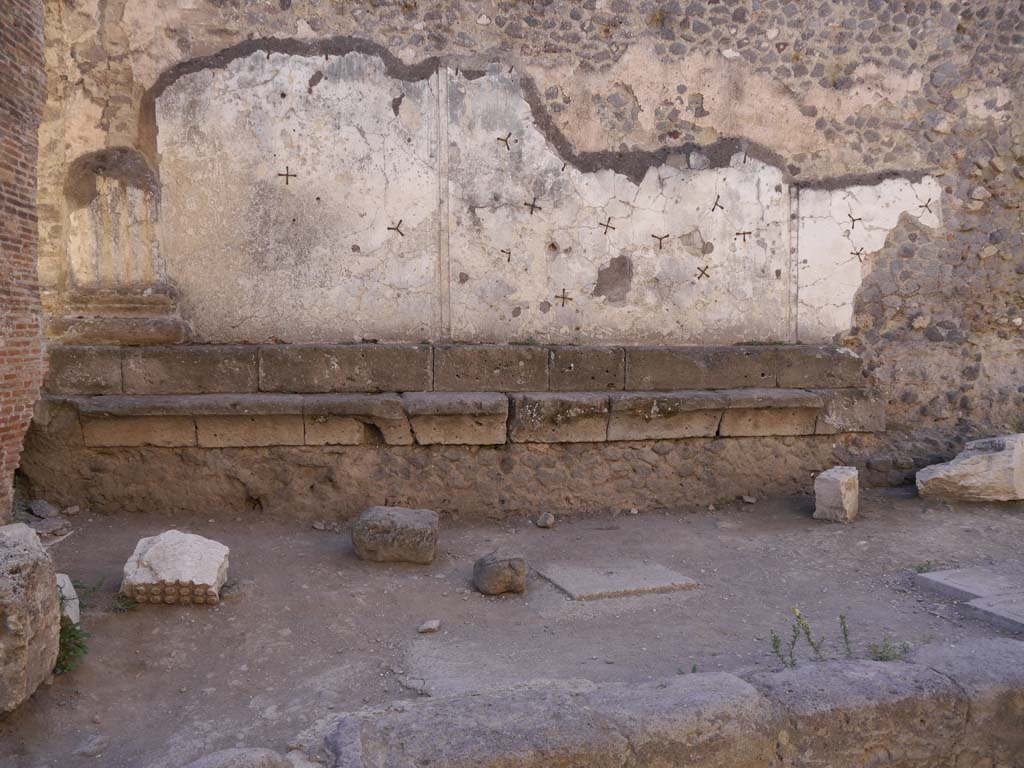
x,y
309,631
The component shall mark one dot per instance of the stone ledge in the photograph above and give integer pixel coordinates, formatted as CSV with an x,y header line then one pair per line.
x,y
948,705
322,368
440,418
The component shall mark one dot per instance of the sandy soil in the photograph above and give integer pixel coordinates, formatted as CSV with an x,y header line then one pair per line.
x,y
309,631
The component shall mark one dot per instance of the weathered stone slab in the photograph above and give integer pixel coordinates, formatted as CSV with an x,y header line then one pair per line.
x,y
325,429
499,572
884,708
29,615
965,584
1003,611
176,568
249,431
986,470
384,413
396,535
559,418
664,368
83,371
490,367
705,721
851,410
70,605
120,331
178,405
616,580
738,367
749,422
665,416
192,369
814,366
346,368
442,418
837,494
126,431
586,369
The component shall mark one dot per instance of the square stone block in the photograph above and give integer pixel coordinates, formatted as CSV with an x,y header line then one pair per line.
x,y
249,431
668,416
125,431
190,369
767,422
396,535
346,368
324,429
559,418
586,369
440,418
664,368
83,371
490,368
819,366
836,494
739,367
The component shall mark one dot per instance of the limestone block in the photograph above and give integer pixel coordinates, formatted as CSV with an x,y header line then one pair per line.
x,y
325,429
249,431
346,368
69,604
440,418
193,369
490,368
127,331
29,615
809,365
242,757
498,572
163,431
836,494
665,416
586,369
751,422
396,535
735,367
986,470
559,418
851,410
384,413
663,368
83,371
176,567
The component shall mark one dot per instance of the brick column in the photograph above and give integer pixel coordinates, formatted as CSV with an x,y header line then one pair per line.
x,y
22,362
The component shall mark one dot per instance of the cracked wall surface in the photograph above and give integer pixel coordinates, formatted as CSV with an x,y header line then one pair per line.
x,y
837,97
318,199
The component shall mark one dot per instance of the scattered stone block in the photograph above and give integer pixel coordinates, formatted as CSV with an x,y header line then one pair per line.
x,y
396,535
176,567
242,758
442,418
69,605
545,520
986,470
837,494
497,573
624,580
43,509
559,418
29,615
429,627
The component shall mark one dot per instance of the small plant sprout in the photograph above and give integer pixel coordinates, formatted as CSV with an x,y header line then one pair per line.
x,y
805,628
846,636
887,651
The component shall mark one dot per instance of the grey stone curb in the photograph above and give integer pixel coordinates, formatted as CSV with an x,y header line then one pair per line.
x,y
961,705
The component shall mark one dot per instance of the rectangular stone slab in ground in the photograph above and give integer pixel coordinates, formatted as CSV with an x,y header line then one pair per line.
x,y
968,583
1003,611
621,580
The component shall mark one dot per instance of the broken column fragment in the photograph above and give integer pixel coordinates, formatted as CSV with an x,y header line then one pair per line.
x,y
985,470
396,535
836,494
176,567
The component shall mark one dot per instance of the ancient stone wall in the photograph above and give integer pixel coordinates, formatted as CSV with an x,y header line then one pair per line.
x,y
21,345
547,173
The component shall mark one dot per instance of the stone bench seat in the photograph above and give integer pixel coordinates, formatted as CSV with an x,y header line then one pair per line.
x,y
473,418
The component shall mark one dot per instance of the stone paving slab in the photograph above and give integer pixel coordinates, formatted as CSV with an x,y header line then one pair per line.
x,y
1003,611
621,580
969,583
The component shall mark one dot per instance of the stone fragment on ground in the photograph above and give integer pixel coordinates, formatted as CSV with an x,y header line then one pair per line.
x,y
429,627
51,526
623,580
987,593
396,535
242,758
985,470
545,520
176,568
42,508
499,572
836,494
29,615
69,605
